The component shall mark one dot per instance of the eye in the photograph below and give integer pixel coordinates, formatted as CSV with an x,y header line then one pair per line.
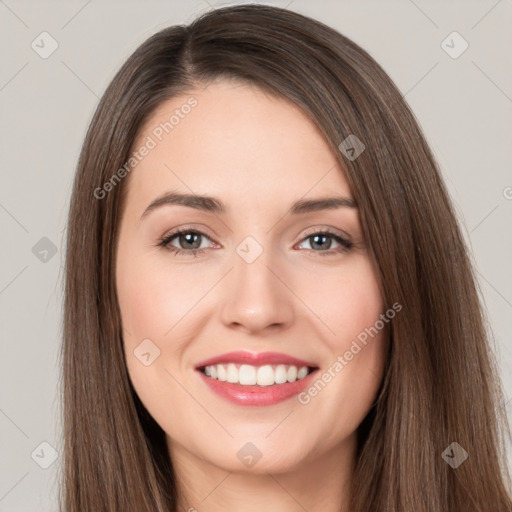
x,y
323,240
190,242
189,239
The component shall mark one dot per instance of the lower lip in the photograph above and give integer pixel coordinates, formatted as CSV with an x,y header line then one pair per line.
x,y
257,395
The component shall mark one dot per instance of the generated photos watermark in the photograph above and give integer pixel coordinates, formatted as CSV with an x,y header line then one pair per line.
x,y
157,135
343,360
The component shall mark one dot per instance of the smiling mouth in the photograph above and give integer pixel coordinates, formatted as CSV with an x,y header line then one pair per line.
x,y
249,375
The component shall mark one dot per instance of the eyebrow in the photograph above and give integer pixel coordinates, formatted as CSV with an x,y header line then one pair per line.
x,y
214,205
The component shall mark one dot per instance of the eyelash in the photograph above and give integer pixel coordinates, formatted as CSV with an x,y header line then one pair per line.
x,y
345,245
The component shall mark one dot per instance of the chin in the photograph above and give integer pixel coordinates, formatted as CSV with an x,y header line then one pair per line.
x,y
256,455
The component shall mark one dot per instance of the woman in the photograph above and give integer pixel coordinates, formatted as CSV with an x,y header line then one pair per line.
x,y
246,371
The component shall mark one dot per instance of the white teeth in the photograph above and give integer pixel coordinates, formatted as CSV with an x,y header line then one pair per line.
x,y
265,376
232,373
221,372
248,375
302,372
292,374
280,374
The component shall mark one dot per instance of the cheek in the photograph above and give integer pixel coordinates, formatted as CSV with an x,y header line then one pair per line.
x,y
349,304
153,298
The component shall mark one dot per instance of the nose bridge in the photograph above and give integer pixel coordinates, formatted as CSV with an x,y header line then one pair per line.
x,y
256,298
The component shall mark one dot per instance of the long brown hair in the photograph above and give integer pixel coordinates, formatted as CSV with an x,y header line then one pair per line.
x,y
441,382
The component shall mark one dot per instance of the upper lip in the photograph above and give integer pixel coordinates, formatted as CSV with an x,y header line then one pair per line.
x,y
255,359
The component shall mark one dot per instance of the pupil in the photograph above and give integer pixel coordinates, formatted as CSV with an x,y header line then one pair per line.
x,y
187,238
321,246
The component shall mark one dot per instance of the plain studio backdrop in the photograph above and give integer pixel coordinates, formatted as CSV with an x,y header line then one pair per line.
x,y
58,57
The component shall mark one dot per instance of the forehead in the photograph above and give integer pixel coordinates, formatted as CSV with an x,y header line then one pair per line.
x,y
234,141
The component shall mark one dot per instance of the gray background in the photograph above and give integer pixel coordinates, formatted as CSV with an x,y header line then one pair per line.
x,y
464,105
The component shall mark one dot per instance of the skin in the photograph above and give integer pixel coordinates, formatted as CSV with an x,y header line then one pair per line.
x,y
258,154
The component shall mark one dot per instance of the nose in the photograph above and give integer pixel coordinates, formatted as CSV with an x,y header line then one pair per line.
x,y
256,297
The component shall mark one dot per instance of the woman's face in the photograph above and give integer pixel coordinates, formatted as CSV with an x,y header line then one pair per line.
x,y
268,297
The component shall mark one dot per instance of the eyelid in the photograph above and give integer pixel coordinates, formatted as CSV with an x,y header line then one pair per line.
x,y
185,229
324,228
342,238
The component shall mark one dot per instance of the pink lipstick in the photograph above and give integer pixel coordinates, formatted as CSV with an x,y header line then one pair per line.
x,y
247,378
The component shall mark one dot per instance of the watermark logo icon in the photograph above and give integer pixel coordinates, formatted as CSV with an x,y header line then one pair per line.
x,y
249,455
44,455
454,455
44,250
351,147
454,45
44,45
249,249
146,352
